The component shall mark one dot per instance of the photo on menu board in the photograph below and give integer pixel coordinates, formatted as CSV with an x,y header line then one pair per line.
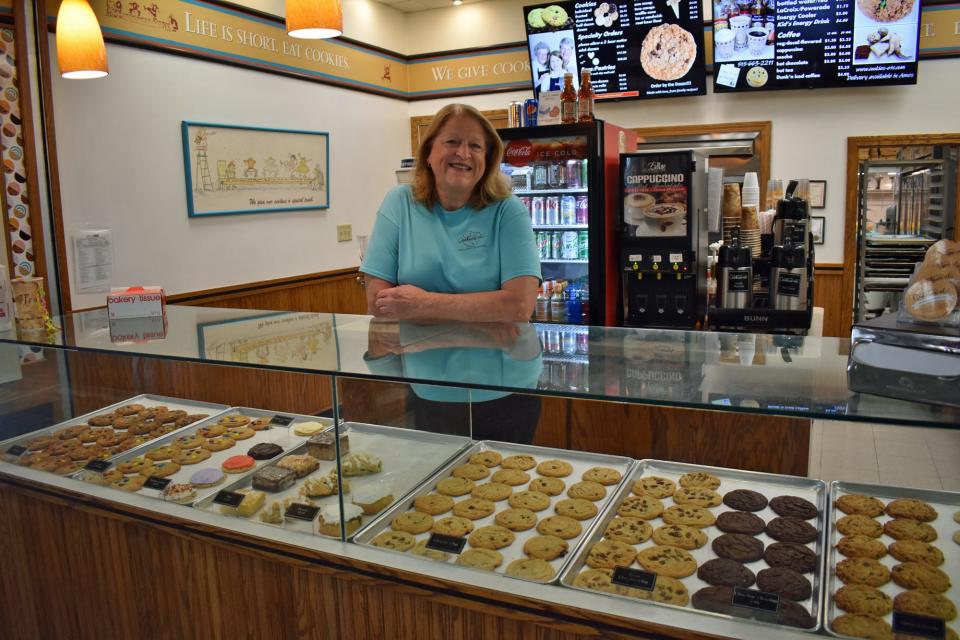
x,y
795,44
637,49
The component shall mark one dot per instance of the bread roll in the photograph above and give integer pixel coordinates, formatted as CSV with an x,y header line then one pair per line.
x,y
931,299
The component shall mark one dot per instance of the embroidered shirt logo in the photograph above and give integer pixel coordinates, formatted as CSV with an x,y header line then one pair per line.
x,y
470,240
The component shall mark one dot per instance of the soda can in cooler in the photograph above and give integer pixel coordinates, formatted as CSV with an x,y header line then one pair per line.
x,y
537,208
569,339
583,342
556,175
543,244
570,248
583,246
584,174
583,208
573,174
530,106
528,205
552,209
515,114
541,174
553,340
556,245
568,210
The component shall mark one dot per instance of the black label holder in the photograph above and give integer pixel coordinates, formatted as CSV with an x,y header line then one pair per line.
x,y
447,544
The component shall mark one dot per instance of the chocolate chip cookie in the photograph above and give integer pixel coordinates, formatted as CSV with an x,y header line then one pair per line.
x,y
745,500
793,556
452,526
629,530
474,508
690,516
555,468
486,559
604,475
545,547
486,458
587,490
533,500
560,526
911,509
736,546
522,462
491,537
531,569
471,471
791,530
577,509
741,522
699,479
794,507
412,522
643,507
865,571
857,503
858,598
785,582
913,575
697,496
493,491
916,551
721,572
861,547
680,535
925,603
667,561
857,525
903,529
455,486
655,487
549,486
512,477
433,504
517,519
608,554
396,540
862,626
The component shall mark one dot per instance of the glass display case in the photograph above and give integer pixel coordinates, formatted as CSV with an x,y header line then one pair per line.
x,y
419,448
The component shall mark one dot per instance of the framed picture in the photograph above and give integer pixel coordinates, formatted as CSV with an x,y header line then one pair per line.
x,y
302,340
817,225
818,194
232,169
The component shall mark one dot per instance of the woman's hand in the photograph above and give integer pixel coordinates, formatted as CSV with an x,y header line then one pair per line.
x,y
402,302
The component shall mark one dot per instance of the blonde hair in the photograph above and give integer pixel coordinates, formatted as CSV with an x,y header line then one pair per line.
x,y
493,185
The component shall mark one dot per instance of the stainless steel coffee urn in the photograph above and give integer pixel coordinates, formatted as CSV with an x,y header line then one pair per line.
x,y
788,275
792,218
735,280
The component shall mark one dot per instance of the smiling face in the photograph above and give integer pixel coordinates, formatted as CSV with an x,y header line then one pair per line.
x,y
556,63
458,160
542,53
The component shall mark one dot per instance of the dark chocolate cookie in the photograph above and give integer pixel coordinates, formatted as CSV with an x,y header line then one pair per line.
x,y
785,582
736,546
792,556
791,530
740,522
745,500
721,572
794,507
794,615
718,600
264,451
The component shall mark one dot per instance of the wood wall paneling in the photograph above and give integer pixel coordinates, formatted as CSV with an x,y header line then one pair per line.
x,y
828,293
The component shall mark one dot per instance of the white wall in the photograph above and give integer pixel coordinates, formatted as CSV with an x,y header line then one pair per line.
x,y
810,128
121,166
478,24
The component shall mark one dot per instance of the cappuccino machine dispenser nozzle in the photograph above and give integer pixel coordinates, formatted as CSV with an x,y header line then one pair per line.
x,y
663,239
785,265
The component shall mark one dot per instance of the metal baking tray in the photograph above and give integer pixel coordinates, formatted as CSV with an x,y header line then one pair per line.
x,y
947,503
770,485
402,452
146,399
580,462
282,436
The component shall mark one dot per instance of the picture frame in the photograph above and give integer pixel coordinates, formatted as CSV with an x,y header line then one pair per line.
x,y
301,340
817,226
236,169
818,194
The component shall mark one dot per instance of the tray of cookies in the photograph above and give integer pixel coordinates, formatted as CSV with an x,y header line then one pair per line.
x,y
184,466
894,562
299,490
518,510
106,433
722,541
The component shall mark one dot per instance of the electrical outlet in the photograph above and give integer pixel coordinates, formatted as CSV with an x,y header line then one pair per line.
x,y
344,232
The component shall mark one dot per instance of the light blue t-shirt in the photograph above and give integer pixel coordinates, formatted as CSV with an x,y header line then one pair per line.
x,y
463,251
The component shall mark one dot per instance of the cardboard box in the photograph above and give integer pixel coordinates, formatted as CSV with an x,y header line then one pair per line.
x,y
136,302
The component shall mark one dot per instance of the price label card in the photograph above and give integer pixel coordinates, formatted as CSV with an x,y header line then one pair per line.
x,y
676,257
228,498
299,511
16,450
635,257
283,421
634,578
98,466
656,258
157,483
448,544
756,600
920,626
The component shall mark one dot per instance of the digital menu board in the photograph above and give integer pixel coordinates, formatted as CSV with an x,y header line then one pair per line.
x,y
810,44
636,49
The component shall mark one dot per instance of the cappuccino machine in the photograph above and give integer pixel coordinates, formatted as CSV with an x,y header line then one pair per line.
x,y
663,239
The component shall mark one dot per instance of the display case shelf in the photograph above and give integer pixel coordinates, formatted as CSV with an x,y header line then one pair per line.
x,y
546,192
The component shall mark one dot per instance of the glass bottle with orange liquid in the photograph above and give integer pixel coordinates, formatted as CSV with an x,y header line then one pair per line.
x,y
585,97
568,100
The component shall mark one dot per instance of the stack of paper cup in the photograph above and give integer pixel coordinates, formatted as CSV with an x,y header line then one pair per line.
x,y
750,194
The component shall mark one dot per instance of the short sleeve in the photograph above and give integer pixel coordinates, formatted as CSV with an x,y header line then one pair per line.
x,y
383,248
518,246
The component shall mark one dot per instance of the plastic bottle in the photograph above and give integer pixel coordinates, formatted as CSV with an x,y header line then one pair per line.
x,y
568,100
585,303
543,302
585,97
558,307
574,304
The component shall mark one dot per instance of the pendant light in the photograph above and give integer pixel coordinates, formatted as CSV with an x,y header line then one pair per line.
x,y
80,50
314,19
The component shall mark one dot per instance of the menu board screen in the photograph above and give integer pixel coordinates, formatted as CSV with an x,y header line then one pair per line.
x,y
635,49
809,44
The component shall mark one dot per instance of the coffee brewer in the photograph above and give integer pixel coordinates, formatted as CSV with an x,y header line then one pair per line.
x,y
735,275
663,239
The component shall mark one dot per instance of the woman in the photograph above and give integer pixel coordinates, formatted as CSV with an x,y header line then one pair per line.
x,y
553,81
456,245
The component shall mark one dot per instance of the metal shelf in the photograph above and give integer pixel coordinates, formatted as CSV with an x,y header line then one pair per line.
x,y
543,192
537,227
542,261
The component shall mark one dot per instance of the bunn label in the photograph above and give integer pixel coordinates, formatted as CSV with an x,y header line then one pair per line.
x,y
448,544
634,578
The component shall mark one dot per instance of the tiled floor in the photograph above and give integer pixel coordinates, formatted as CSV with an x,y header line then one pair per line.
x,y
903,456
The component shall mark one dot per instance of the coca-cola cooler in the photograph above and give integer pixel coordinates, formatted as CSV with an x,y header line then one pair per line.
x,y
567,176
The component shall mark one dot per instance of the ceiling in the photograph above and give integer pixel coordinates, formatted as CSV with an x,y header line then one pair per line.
x,y
410,6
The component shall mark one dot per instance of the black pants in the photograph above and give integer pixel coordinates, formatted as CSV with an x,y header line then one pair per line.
x,y
512,418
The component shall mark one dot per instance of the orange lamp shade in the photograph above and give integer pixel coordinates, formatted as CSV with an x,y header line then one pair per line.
x,y
80,50
314,19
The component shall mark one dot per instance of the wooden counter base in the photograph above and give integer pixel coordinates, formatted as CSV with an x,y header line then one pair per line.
x,y
79,567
